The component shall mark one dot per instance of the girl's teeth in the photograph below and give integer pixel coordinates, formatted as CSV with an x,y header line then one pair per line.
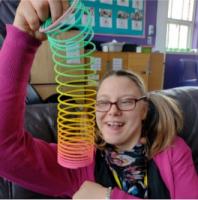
x,y
114,123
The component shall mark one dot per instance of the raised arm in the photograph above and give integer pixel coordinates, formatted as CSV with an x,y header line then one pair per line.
x,y
30,14
29,162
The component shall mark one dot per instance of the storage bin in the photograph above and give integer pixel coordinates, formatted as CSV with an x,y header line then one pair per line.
x,y
113,46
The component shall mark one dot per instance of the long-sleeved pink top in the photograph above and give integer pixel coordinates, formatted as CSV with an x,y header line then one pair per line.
x,y
32,163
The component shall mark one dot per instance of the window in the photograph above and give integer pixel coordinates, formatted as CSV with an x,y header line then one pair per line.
x,y
180,24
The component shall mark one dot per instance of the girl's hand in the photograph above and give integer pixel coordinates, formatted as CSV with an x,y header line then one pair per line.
x,y
91,190
31,14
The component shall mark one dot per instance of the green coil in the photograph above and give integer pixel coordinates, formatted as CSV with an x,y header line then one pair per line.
x,y
76,114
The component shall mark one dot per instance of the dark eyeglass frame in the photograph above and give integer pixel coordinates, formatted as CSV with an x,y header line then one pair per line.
x,y
117,105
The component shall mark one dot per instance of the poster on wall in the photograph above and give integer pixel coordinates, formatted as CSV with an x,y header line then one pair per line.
x,y
117,17
85,17
105,18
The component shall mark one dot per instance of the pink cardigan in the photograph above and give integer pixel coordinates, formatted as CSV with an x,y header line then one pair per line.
x,y
32,163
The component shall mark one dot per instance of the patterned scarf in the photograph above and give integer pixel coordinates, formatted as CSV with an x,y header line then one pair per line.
x,y
129,169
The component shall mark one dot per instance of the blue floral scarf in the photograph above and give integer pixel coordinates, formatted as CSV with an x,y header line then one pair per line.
x,y
129,169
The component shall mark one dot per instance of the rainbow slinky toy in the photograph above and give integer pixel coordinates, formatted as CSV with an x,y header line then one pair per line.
x,y
76,114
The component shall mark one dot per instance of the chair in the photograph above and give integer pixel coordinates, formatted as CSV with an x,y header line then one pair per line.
x,y
188,72
32,96
40,121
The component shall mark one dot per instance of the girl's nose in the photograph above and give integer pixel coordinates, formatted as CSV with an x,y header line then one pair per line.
x,y
114,110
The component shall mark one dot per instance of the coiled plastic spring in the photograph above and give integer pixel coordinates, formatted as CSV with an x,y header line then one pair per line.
x,y
76,114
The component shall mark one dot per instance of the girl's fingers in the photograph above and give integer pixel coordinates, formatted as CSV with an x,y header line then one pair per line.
x,y
31,13
41,8
56,9
31,17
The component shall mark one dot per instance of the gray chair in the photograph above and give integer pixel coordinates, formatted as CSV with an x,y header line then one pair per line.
x,y
40,121
33,97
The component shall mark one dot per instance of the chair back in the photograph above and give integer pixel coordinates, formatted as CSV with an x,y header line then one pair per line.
x,y
188,72
187,97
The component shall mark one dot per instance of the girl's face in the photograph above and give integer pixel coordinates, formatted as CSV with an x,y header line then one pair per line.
x,y
120,128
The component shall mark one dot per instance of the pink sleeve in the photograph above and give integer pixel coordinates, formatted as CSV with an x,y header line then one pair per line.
x,y
185,175
16,57
178,171
29,162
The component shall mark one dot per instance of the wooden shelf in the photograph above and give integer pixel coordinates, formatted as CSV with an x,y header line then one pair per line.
x,y
150,66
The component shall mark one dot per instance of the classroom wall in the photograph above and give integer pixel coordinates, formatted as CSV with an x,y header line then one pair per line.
x,y
172,72
195,33
150,19
151,13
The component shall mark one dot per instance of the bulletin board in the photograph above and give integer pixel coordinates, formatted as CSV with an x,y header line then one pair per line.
x,y
117,17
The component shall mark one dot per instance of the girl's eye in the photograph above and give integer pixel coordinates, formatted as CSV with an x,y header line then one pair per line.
x,y
126,101
102,103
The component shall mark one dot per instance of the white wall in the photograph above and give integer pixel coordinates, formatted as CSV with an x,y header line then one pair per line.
x,y
162,11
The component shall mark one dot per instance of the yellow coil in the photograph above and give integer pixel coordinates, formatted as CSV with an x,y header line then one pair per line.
x,y
76,101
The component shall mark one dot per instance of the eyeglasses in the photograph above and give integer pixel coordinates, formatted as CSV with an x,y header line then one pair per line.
x,y
122,104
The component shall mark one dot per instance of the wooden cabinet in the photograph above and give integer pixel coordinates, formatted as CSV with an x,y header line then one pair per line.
x,y
100,64
156,75
42,73
139,63
149,66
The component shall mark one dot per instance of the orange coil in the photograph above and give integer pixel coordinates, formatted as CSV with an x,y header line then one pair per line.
x,y
76,101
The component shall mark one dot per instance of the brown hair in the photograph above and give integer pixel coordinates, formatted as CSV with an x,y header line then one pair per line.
x,y
164,118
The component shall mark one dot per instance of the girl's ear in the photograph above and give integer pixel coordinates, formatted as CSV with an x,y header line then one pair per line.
x,y
144,110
